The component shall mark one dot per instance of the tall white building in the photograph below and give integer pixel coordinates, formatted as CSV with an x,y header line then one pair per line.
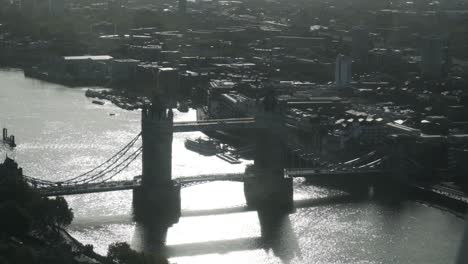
x,y
343,75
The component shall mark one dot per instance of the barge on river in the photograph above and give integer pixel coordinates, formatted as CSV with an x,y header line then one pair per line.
x,y
207,147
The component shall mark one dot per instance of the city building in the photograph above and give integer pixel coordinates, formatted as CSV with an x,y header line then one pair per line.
x,y
221,86
56,7
431,57
84,69
360,44
102,28
182,6
167,83
343,75
188,80
230,105
123,70
297,42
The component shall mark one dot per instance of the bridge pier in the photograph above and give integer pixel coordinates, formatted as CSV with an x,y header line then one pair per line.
x,y
158,195
271,195
270,189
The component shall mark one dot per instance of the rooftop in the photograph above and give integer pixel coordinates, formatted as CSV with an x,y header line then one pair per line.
x,y
89,57
222,84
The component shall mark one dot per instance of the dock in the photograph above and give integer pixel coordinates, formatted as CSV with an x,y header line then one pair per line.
x,y
228,157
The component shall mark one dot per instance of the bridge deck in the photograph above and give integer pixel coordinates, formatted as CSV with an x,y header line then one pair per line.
x,y
132,184
187,181
212,177
88,188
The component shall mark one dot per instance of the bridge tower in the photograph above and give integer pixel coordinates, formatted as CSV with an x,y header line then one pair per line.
x,y
270,189
158,192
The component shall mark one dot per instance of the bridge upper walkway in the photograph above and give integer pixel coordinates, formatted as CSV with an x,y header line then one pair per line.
x,y
215,124
239,123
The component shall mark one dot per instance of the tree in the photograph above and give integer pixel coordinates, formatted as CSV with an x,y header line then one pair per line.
x,y
51,212
14,220
121,253
62,214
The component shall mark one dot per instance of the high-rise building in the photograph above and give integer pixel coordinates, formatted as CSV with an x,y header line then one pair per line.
x,y
343,75
431,57
360,44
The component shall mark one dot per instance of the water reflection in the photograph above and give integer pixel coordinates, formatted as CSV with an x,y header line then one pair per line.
x,y
214,247
150,236
278,235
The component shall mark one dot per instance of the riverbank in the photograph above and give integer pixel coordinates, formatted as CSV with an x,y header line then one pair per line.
x,y
85,253
64,79
120,98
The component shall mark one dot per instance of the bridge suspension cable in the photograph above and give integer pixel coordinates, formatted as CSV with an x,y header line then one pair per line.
x,y
128,161
119,167
116,162
119,155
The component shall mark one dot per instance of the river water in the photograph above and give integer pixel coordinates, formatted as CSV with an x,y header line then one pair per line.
x,y
60,134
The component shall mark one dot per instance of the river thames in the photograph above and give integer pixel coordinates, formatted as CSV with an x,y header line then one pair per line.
x,y
60,133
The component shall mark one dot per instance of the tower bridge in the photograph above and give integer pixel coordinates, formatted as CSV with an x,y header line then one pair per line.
x,y
156,190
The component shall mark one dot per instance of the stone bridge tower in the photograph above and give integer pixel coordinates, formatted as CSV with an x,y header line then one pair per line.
x,y
158,192
270,189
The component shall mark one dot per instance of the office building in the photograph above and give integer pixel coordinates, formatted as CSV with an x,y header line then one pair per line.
x,y
343,75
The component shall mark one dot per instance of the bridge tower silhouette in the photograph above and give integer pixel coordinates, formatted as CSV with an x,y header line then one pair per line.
x,y
158,192
270,188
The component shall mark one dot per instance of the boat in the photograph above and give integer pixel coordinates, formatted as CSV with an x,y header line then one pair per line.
x,y
98,102
207,147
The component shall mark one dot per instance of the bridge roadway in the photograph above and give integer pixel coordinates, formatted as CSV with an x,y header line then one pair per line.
x,y
189,181
239,123
59,190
